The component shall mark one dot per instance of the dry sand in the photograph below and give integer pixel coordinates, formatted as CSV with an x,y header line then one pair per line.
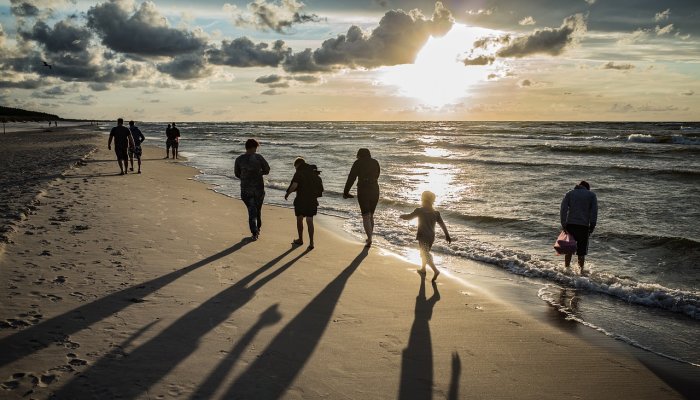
x,y
143,286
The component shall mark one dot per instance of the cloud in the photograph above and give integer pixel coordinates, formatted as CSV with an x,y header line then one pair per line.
x,y
481,11
619,67
55,92
270,92
23,84
188,111
398,38
306,78
242,52
145,32
23,9
268,79
527,21
278,85
547,41
186,66
629,108
688,93
270,16
98,86
662,15
590,2
525,83
480,60
63,37
663,31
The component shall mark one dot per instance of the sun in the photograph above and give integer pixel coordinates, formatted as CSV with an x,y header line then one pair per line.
x,y
438,76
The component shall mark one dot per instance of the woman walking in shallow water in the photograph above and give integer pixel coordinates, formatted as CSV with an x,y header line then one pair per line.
x,y
366,170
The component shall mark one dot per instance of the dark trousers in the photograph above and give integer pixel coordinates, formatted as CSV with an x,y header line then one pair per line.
x,y
253,200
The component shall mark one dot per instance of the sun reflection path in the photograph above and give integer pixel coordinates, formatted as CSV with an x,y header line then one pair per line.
x,y
438,76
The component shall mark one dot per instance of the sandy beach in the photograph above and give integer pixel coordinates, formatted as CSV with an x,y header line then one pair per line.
x,y
145,286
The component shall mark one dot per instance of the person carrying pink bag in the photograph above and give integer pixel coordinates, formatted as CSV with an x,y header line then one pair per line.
x,y
579,216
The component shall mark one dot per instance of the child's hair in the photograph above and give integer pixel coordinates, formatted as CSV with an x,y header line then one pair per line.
x,y
299,160
427,198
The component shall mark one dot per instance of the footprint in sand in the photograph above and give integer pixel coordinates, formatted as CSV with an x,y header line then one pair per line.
x,y
75,361
59,279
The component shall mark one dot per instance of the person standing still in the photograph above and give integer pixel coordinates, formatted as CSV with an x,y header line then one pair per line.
x,y
123,141
579,215
175,132
250,168
366,170
168,140
305,202
136,150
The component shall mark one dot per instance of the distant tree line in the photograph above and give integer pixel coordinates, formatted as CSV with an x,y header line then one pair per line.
x,y
8,114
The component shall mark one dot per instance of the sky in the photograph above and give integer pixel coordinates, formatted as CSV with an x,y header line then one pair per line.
x,y
473,60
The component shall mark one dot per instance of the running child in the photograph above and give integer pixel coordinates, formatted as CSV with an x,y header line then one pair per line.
x,y
427,218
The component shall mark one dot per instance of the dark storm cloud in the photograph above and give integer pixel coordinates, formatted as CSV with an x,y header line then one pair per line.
x,y
23,9
63,37
145,32
546,41
397,40
23,84
186,66
619,67
242,52
270,16
268,79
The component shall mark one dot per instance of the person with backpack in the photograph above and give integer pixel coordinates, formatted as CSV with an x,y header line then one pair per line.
x,y
366,170
250,168
308,185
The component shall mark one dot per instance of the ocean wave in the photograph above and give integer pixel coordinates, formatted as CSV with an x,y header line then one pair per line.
x,y
520,263
676,244
663,139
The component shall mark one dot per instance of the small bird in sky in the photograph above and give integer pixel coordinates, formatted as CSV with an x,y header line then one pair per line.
x,y
47,65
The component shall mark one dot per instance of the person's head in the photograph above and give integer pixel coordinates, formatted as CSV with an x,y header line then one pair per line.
x,y
120,121
251,145
173,124
364,153
131,123
299,162
585,184
168,125
427,198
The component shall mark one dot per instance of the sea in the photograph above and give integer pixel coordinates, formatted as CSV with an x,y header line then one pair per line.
x,y
499,186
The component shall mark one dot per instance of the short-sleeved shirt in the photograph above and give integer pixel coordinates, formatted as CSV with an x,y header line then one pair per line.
x,y
304,189
427,218
121,134
250,168
137,135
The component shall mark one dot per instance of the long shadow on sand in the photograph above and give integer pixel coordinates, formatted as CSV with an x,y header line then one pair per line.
x,y
158,356
53,330
417,357
269,376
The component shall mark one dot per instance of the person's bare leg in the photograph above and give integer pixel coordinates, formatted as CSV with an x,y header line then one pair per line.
x,y
310,227
139,164
581,261
300,228
367,224
423,259
131,159
567,261
122,169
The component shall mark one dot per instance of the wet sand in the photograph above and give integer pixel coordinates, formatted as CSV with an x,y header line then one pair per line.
x,y
145,286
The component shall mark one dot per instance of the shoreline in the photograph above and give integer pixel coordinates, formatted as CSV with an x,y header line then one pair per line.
x,y
365,328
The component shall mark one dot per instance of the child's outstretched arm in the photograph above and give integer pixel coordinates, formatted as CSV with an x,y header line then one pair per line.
x,y
409,216
444,229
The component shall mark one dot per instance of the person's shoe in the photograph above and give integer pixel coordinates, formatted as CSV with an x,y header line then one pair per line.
x,y
131,169
139,171
297,242
311,247
121,172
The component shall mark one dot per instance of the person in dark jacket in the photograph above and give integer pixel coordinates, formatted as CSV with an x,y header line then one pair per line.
x,y
305,202
579,216
366,170
123,141
250,168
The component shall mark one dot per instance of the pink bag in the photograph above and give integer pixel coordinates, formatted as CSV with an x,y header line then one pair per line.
x,y
565,244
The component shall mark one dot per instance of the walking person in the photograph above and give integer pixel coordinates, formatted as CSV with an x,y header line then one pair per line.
x,y
427,218
136,151
579,215
123,141
366,170
250,168
175,133
306,182
168,140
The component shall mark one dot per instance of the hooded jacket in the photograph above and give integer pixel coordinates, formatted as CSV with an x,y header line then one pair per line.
x,y
579,207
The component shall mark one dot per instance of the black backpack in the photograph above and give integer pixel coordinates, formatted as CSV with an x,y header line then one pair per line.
x,y
313,178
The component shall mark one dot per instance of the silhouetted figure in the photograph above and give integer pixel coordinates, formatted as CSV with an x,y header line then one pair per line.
x,y
579,214
122,142
175,133
136,151
250,168
305,202
427,218
168,140
47,65
55,123
366,170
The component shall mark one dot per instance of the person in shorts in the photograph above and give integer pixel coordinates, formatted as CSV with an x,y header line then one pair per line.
x,y
122,142
366,170
305,202
250,168
136,150
579,215
175,142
